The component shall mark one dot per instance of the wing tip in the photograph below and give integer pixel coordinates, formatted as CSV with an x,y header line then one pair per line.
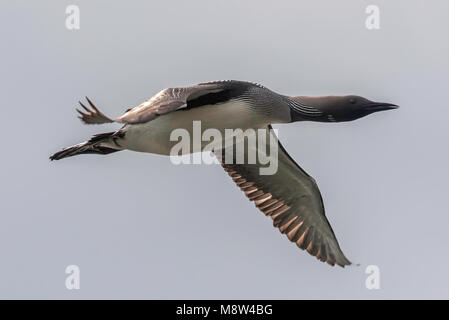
x,y
320,244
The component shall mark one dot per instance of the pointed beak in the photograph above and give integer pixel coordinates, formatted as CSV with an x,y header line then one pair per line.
x,y
379,106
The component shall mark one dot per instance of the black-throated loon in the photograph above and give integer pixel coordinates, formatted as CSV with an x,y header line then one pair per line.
x,y
290,196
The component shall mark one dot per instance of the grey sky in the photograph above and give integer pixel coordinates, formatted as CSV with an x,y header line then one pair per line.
x,y
140,227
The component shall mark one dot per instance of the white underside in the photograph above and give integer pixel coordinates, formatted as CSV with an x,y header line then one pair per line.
x,y
154,136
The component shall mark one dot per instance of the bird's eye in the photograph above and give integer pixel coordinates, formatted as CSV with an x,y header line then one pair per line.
x,y
352,101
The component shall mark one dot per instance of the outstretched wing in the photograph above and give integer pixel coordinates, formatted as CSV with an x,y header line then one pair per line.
x,y
169,100
292,199
173,99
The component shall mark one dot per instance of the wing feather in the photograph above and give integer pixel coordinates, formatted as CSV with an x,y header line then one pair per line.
x,y
293,201
170,100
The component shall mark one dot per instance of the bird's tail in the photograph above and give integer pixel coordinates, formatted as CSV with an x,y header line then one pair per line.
x,y
103,143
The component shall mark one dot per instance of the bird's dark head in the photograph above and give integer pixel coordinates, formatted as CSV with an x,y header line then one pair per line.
x,y
335,108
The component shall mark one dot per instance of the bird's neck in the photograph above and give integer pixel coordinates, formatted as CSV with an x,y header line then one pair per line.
x,y
306,109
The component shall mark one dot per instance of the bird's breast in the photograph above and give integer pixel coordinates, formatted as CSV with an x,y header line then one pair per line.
x,y
154,136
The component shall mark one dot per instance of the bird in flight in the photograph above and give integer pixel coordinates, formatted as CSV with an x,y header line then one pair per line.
x,y
290,196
